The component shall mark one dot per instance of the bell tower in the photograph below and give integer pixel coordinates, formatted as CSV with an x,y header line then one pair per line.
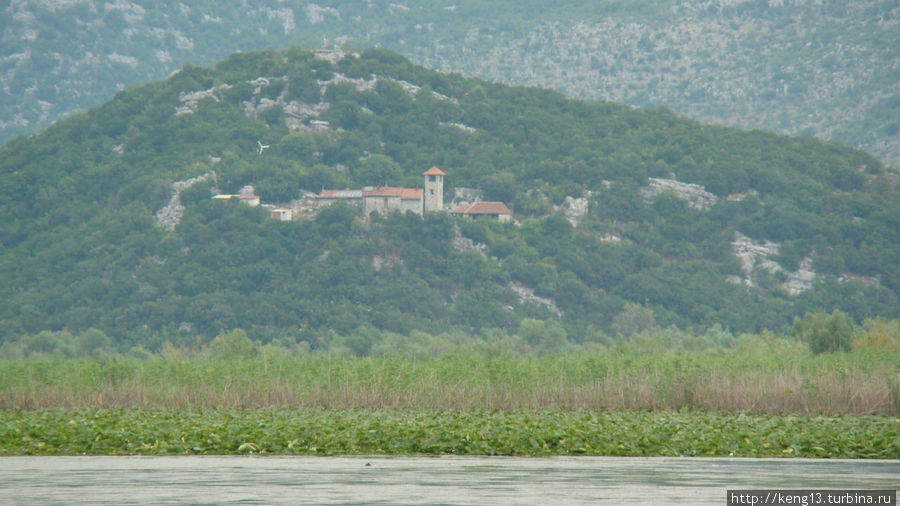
x,y
434,190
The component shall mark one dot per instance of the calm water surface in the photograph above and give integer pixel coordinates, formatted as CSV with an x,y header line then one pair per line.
x,y
419,480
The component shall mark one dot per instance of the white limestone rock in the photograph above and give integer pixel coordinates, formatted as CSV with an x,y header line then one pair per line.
x,y
526,294
574,208
191,100
696,195
465,196
463,244
169,216
758,255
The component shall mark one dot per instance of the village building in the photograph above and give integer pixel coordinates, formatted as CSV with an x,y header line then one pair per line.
x,y
386,199
496,210
382,200
351,197
275,212
434,190
250,200
280,213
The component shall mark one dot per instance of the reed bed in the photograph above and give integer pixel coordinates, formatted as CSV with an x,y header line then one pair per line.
x,y
789,381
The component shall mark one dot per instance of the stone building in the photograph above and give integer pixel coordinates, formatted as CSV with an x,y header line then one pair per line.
x,y
496,210
388,199
434,190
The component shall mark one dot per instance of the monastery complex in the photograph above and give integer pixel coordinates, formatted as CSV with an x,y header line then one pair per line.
x,y
386,199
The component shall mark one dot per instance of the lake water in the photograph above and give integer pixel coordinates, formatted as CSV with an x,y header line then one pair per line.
x,y
419,480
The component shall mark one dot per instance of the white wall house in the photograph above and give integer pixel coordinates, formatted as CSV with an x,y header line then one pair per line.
x,y
250,200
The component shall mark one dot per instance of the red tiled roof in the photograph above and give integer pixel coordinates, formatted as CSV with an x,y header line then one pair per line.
x,y
384,191
403,193
412,193
434,171
493,208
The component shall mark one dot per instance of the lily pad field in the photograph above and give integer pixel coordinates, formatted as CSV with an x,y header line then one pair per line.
x,y
525,433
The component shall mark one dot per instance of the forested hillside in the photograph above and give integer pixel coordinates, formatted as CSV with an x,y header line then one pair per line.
x,y
626,219
813,68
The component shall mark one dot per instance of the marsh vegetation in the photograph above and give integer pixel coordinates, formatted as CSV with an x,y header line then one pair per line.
x,y
662,370
765,396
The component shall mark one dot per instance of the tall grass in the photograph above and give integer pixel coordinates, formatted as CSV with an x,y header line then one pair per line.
x,y
777,377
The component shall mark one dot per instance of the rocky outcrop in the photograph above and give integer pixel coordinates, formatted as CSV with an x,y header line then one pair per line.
x,y
190,101
754,255
610,238
316,14
299,116
460,126
696,195
465,196
758,255
358,83
169,216
526,295
802,279
574,208
463,244
257,104
386,262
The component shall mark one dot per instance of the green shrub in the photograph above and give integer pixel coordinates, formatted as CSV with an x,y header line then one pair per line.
x,y
879,334
823,332
234,344
543,336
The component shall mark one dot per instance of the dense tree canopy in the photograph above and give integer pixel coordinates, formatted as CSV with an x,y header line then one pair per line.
x,y
82,248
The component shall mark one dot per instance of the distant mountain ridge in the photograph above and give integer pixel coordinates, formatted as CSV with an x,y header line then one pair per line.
x,y
624,218
814,68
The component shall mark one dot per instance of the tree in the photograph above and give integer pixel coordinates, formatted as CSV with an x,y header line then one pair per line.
x,y
823,332
880,334
500,186
377,170
234,344
544,336
298,146
302,86
634,319
93,342
336,220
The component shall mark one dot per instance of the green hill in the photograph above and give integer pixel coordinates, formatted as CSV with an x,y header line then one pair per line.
x,y
625,218
825,68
